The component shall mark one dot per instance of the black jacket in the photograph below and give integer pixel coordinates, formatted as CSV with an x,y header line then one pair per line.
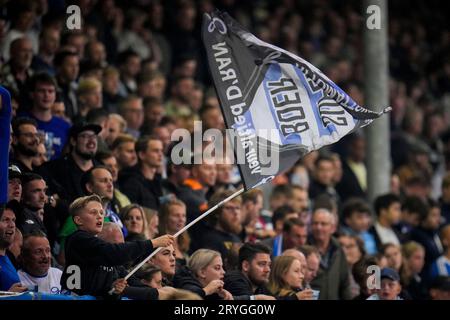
x,y
139,189
63,177
136,290
238,284
99,262
445,211
220,241
417,289
23,168
30,222
349,185
184,279
429,239
170,188
316,189
377,238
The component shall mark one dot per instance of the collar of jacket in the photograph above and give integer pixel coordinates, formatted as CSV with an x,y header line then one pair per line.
x,y
193,184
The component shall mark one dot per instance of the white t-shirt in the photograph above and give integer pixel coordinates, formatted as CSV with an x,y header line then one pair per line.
x,y
49,283
386,235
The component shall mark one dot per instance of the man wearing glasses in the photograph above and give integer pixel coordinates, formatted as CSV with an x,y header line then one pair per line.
x,y
64,175
225,225
25,143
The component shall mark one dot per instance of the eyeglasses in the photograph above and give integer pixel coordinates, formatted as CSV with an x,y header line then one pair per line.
x,y
87,136
31,135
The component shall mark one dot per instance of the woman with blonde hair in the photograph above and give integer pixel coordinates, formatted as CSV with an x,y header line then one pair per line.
x,y
393,254
152,217
413,262
172,219
134,219
203,275
286,278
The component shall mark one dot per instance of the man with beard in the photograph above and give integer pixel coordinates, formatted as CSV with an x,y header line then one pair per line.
x,y
9,280
249,282
55,129
225,225
64,175
33,201
36,265
25,143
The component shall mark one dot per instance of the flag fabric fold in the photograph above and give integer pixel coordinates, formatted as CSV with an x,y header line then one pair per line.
x,y
279,106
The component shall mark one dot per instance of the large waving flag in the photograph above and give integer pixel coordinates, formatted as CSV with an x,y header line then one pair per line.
x,y
279,106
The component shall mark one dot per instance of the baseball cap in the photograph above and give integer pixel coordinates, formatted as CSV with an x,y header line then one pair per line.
x,y
77,128
14,172
389,273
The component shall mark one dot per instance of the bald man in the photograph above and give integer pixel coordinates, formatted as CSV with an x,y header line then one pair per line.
x,y
111,233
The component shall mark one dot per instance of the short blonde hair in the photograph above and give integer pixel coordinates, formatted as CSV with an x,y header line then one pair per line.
x,y
122,139
410,247
87,85
200,259
122,122
110,72
80,203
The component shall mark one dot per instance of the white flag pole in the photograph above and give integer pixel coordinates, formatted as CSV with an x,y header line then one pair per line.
x,y
221,203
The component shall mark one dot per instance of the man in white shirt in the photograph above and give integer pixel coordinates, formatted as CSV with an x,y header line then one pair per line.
x,y
37,273
388,211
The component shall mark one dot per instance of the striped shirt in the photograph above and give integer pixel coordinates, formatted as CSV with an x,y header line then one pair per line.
x,y
440,267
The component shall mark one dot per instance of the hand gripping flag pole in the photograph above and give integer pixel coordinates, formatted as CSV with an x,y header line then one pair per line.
x,y
221,203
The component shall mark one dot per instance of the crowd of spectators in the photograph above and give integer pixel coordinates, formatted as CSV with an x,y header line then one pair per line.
x,y
92,183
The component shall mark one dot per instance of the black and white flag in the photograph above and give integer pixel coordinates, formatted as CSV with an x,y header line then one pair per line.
x,y
279,106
